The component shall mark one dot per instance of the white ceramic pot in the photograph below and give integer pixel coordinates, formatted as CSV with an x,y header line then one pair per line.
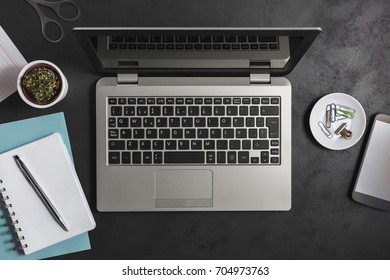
x,y
64,84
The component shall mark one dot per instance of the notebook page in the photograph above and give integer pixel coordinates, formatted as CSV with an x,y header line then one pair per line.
x,y
11,62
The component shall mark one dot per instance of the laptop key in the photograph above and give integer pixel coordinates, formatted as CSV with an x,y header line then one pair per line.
x,y
225,122
222,144
112,101
209,144
142,111
200,122
193,110
161,122
174,122
228,133
115,145
196,144
123,122
232,157
138,133
210,157
273,127
155,111
113,157
151,133
147,157
269,110
126,158
212,122
184,145
206,110
227,100
221,157
125,133
168,111
129,111
158,145
260,144
136,157
132,145
148,122
190,133
170,144
264,157
113,133
116,111
184,157
135,122
246,144
131,101
234,144
238,122
243,157
158,157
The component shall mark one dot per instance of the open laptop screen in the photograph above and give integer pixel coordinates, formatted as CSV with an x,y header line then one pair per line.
x,y
187,51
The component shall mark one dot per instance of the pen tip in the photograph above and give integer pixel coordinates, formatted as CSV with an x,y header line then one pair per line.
x,y
16,157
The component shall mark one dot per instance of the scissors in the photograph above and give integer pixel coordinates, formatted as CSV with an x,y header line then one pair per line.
x,y
56,7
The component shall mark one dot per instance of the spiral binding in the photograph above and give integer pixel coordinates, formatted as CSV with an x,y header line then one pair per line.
x,y
13,223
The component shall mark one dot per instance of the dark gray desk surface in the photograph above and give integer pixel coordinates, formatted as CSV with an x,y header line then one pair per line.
x,y
351,55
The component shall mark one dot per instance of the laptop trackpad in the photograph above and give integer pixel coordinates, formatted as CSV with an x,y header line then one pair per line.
x,y
183,188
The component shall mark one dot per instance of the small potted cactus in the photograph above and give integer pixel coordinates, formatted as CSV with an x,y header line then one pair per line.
x,y
41,84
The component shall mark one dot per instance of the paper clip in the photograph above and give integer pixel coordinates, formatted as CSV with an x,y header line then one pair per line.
x,y
330,114
325,130
344,112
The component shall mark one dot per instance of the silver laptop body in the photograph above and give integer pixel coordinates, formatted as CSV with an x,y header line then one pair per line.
x,y
220,88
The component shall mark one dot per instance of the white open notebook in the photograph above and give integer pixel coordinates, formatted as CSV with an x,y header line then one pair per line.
x,y
48,161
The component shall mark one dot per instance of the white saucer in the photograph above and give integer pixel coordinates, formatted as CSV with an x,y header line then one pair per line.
x,y
357,125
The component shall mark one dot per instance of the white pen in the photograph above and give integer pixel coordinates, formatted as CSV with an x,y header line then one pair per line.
x,y
33,183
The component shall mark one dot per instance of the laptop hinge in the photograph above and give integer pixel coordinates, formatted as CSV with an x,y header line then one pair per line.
x,y
260,78
127,79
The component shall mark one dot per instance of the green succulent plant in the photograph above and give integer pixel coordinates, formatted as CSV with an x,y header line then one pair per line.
x,y
42,84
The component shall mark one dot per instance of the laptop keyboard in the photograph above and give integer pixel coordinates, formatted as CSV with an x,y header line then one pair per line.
x,y
195,43
193,130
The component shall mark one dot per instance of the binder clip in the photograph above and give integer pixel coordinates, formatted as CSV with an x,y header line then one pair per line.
x,y
343,131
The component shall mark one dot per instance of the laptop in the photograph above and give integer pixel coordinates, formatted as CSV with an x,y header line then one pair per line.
x,y
194,119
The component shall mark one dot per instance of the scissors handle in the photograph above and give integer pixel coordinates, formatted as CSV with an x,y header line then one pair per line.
x,y
45,22
58,6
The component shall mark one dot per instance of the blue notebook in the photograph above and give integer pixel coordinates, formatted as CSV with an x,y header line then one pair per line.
x,y
15,134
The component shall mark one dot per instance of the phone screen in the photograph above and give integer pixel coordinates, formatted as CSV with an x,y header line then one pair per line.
x,y
374,177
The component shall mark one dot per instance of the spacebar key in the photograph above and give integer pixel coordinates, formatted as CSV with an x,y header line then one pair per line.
x,y
184,157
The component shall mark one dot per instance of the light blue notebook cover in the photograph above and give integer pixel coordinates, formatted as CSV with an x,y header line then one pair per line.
x,y
15,134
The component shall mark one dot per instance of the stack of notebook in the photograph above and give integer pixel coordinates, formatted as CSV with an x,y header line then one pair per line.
x,y
33,233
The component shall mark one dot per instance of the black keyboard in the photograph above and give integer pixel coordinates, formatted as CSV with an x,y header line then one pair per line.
x,y
194,43
193,130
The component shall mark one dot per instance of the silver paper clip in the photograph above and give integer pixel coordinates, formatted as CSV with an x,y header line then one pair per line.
x,y
330,114
325,130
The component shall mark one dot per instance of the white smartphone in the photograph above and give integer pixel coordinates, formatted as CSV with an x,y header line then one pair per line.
x,y
372,185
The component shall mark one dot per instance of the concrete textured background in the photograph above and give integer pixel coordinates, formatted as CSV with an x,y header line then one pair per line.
x,y
351,55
